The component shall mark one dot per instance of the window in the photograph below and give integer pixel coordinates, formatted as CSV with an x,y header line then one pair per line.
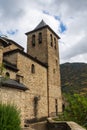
x,y
7,75
63,107
40,38
33,68
56,62
55,43
51,40
56,107
33,40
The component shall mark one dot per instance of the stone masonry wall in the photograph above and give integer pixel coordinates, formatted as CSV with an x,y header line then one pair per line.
x,y
10,47
40,49
55,99
47,53
37,84
43,83
15,97
12,58
12,73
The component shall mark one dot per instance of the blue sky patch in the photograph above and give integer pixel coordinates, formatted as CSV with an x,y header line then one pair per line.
x,y
46,12
62,27
0,33
57,17
12,32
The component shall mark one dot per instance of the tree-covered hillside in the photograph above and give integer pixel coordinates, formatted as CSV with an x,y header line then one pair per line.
x,y
74,77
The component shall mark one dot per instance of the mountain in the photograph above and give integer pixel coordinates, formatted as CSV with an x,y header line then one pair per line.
x,y
74,77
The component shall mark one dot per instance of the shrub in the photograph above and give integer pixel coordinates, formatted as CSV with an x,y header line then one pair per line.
x,y
76,109
9,117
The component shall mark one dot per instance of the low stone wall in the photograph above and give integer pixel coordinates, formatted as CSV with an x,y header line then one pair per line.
x,y
39,126
58,126
54,125
64,125
27,128
75,126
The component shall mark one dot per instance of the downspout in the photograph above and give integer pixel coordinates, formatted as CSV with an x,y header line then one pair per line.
x,y
47,75
47,92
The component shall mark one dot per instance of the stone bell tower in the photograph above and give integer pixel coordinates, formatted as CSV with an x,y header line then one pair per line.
x,y
42,43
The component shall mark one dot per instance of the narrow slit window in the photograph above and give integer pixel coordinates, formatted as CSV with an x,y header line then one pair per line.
x,y
55,43
33,40
33,68
40,38
56,107
51,40
56,62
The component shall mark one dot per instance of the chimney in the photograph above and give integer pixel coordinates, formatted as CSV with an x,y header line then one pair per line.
x,y
1,55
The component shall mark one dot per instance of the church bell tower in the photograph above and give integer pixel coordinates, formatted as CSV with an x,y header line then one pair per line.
x,y
42,43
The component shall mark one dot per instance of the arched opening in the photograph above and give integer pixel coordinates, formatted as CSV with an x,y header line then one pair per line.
x,y
7,75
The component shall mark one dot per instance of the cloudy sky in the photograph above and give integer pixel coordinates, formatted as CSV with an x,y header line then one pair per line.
x,y
68,18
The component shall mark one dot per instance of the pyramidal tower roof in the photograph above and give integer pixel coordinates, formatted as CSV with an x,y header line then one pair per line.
x,y
40,25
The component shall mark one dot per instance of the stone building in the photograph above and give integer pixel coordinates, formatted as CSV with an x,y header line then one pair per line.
x,y
33,82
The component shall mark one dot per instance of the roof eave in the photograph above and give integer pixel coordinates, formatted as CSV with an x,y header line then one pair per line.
x,y
14,86
27,55
10,66
46,26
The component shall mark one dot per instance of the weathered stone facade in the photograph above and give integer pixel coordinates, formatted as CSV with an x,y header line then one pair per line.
x,y
14,97
38,70
47,52
37,83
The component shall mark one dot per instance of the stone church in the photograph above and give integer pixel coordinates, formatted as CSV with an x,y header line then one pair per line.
x,y
33,77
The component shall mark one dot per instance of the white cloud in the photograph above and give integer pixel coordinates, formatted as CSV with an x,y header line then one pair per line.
x,y
24,16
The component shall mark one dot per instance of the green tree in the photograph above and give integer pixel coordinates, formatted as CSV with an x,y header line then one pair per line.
x,y
9,117
76,109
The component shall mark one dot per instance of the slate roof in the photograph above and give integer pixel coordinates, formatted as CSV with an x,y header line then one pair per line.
x,y
12,84
40,25
7,42
10,65
27,55
3,43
